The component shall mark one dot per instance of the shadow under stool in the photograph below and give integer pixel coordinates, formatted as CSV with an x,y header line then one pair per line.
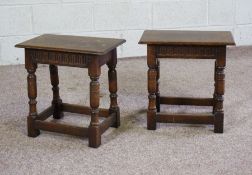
x,y
186,45
73,51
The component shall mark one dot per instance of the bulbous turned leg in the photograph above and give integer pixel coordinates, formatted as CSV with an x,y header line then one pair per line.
x,y
94,127
32,94
152,85
219,93
56,102
112,76
157,88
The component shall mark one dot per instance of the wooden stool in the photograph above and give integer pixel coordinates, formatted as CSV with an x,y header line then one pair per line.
x,y
75,51
186,44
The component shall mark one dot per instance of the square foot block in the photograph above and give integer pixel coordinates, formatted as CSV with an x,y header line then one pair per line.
x,y
94,136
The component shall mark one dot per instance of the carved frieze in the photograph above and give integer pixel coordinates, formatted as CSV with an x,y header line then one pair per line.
x,y
59,58
202,52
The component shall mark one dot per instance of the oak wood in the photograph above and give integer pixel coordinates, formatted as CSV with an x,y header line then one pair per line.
x,y
74,51
187,51
176,37
56,102
186,101
83,110
215,83
219,91
73,44
204,118
45,114
94,87
184,45
32,94
61,128
108,122
112,77
152,88
157,87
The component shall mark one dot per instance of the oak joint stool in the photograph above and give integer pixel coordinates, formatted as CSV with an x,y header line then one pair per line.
x,y
186,45
74,51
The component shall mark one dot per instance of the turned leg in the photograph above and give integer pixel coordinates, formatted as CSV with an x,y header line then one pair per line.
x,y
112,76
56,102
219,92
157,88
152,85
214,95
94,128
32,94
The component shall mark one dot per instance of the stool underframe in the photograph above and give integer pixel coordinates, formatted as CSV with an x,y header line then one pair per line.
x,y
216,117
36,122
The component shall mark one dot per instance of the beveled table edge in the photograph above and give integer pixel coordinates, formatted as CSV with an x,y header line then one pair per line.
x,y
121,41
187,43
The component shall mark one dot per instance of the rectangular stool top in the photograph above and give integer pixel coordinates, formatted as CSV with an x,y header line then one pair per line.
x,y
76,44
175,37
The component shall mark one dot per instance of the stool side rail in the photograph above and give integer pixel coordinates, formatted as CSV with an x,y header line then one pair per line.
x,y
186,101
189,118
61,128
83,109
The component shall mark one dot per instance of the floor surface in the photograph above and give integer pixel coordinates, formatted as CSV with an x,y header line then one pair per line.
x,y
132,149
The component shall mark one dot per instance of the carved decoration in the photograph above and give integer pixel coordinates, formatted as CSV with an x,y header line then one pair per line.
x,y
59,58
206,52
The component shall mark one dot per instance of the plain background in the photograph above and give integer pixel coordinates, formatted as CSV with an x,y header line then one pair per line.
x,y
24,19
